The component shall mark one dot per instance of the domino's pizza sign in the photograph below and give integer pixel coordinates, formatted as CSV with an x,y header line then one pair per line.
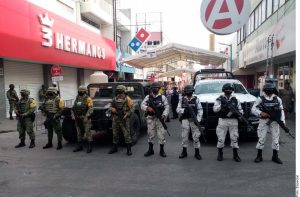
x,y
224,17
139,39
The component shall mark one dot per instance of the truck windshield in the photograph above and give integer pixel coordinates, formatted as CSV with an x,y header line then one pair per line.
x,y
216,87
101,92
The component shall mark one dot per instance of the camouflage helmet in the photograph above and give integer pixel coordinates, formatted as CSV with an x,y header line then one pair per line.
x,y
82,88
121,87
227,86
52,89
188,88
11,86
26,92
155,85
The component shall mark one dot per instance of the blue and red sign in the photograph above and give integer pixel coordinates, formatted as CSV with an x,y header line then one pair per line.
x,y
141,36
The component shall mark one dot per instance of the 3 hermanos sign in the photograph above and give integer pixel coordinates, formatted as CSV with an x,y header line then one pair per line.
x,y
224,17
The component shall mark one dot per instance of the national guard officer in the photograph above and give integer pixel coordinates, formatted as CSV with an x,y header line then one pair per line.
x,y
187,121
25,110
270,101
121,109
52,107
174,102
227,121
154,125
83,107
12,99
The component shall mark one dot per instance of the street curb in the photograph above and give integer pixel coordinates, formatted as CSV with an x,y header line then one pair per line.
x,y
7,131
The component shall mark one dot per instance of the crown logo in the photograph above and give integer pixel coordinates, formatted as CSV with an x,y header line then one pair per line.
x,y
45,20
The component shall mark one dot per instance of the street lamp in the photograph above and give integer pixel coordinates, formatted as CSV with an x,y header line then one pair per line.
x,y
230,56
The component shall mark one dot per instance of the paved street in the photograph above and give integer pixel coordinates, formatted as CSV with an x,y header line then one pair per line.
x,y
39,172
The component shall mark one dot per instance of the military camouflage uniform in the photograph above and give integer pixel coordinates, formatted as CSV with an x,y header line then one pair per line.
x,y
83,107
12,99
25,109
52,107
42,94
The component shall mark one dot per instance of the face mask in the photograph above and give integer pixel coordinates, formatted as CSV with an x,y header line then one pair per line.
x,y
23,95
189,93
155,91
119,92
228,92
50,94
268,92
81,93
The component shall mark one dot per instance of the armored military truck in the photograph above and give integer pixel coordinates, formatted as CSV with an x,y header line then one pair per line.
x,y
102,94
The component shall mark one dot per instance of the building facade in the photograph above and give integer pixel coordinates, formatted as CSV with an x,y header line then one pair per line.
x,y
269,35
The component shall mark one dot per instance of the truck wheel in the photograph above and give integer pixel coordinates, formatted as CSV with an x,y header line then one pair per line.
x,y
135,127
69,130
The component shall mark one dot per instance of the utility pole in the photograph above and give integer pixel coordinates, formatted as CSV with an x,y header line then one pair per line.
x,y
269,74
230,54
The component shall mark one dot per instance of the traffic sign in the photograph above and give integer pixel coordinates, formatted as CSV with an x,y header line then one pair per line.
x,y
57,78
224,16
56,71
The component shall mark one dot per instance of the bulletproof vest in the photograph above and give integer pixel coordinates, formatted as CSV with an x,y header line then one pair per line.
x,y
223,113
51,105
158,103
81,105
22,105
272,106
193,104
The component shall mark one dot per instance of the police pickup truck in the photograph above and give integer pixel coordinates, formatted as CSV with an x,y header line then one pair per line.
x,y
102,94
208,85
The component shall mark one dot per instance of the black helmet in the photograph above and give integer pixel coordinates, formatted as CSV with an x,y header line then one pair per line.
x,y
269,88
188,88
155,85
227,86
11,86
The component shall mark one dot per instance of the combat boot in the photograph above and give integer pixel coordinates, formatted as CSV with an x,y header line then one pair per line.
x,y
275,157
162,151
113,149
89,148
32,144
59,145
78,147
150,150
259,156
220,154
21,144
236,155
48,145
197,154
183,153
10,116
129,149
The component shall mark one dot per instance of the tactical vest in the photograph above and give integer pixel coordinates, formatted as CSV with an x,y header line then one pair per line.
x,y
51,105
223,112
272,106
81,105
23,106
158,103
193,104
121,104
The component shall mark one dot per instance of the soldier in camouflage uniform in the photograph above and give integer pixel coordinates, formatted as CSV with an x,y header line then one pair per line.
x,y
25,109
121,109
12,99
52,108
83,107
42,93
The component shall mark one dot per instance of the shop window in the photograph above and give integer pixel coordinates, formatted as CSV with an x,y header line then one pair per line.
x,y
259,14
263,10
248,27
275,5
256,19
156,42
284,73
269,7
252,23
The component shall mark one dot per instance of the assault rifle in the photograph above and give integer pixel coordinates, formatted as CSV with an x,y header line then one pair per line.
x,y
191,111
273,116
234,111
158,114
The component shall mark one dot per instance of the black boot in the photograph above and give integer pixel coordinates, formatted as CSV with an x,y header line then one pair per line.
x,y
275,157
32,144
220,154
162,151
259,156
129,149
78,147
150,150
59,146
10,116
114,149
21,144
48,145
89,148
183,153
197,154
236,155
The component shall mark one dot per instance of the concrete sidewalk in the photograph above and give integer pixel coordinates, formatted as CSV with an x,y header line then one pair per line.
x,y
7,125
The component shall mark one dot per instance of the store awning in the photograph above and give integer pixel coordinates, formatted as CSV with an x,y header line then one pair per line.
x,y
174,52
177,72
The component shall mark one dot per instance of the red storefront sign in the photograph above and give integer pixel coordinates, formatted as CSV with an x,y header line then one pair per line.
x,y
55,70
31,33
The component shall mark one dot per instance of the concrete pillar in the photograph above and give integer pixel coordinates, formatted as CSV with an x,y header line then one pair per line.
x,y
2,91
